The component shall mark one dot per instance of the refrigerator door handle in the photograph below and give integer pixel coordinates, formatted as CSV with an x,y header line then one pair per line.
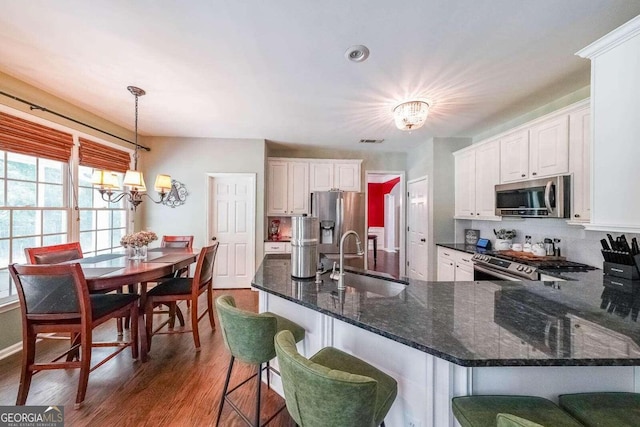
x,y
339,216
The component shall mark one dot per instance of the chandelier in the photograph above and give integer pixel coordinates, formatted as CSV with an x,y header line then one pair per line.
x,y
411,115
107,181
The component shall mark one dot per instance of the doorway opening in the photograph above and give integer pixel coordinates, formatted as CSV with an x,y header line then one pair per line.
x,y
386,221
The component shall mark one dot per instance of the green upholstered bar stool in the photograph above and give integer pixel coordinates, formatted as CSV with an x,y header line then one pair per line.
x,y
249,338
484,411
603,409
332,388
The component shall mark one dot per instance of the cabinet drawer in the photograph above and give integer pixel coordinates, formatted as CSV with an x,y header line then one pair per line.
x,y
275,247
464,259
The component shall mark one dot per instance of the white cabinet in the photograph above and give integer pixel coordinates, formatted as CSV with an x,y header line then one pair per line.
x,y
288,187
321,176
538,151
335,175
347,176
589,340
514,156
477,171
615,85
580,164
454,266
549,147
276,247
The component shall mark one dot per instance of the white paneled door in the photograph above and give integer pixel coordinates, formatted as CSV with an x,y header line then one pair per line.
x,y
417,252
231,221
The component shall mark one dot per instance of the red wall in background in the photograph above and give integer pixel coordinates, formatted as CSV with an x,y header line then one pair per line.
x,y
376,201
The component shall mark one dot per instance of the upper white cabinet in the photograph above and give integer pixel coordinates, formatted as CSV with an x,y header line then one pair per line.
x,y
328,175
580,164
615,85
538,151
477,171
549,147
290,182
514,156
556,144
288,187
321,176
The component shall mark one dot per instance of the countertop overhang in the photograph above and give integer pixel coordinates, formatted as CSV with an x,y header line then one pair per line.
x,y
467,323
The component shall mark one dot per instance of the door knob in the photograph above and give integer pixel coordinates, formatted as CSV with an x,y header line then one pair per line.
x,y
423,240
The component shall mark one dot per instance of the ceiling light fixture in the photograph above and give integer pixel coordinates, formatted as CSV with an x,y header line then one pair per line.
x,y
107,181
411,115
357,53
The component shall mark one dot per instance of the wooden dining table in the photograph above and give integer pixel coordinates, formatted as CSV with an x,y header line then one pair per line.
x,y
108,272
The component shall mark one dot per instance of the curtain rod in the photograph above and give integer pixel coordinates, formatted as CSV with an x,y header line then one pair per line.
x,y
33,106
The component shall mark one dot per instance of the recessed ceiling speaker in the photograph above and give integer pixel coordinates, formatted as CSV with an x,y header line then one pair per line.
x,y
357,53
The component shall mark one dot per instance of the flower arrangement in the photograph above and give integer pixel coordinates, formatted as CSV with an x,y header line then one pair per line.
x,y
137,239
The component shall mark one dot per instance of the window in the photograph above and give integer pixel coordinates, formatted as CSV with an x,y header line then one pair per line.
x,y
102,224
33,209
41,204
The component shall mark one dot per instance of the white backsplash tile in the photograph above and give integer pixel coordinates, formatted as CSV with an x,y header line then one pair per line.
x,y
576,243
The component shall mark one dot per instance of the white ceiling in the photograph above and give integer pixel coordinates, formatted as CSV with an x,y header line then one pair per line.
x,y
276,69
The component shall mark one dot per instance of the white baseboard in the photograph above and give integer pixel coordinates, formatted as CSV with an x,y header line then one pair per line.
x,y
11,350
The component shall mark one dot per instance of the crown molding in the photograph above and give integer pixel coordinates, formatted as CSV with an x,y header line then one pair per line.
x,y
614,38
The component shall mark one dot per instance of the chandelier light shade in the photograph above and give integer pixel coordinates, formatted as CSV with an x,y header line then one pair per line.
x,y
411,115
106,182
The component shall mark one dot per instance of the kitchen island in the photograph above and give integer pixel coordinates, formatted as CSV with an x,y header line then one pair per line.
x,y
442,339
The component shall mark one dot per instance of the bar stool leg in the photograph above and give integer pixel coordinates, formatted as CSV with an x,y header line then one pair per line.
x,y
224,390
259,379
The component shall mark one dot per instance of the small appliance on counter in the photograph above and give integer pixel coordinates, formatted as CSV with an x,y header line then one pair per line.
x,y
274,229
304,246
621,263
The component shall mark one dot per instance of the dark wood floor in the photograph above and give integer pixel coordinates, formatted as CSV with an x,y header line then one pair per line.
x,y
176,387
386,262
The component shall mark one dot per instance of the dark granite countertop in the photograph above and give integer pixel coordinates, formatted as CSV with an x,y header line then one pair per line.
x,y
284,239
528,323
470,249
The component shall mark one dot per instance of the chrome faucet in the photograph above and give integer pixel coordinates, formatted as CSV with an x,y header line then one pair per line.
x,y
360,252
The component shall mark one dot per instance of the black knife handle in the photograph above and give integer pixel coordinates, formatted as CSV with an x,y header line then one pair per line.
x,y
605,245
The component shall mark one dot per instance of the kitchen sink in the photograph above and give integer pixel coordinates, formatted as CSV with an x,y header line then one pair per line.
x,y
377,285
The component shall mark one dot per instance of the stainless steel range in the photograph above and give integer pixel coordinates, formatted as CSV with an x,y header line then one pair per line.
x,y
504,267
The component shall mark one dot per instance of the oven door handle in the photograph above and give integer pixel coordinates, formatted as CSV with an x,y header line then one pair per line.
x,y
495,273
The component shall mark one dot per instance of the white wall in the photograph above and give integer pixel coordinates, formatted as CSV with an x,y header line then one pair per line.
x,y
188,160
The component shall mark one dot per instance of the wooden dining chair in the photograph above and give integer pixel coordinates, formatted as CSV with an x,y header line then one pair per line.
x,y
64,252
185,288
54,254
174,311
176,242
54,298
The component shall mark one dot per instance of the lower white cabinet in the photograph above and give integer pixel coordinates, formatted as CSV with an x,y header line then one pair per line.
x,y
277,247
454,266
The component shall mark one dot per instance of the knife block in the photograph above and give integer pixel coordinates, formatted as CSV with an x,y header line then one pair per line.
x,y
624,271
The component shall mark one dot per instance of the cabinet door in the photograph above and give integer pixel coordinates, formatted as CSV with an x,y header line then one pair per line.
x,y
320,177
298,194
347,176
465,175
277,188
549,148
446,265
514,156
464,273
580,164
487,176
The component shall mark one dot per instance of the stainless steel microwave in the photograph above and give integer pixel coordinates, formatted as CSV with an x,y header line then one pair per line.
x,y
538,198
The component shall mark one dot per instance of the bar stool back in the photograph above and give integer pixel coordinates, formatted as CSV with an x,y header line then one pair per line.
x,y
332,388
249,337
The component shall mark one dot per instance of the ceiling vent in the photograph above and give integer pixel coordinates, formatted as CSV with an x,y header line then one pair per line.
x,y
371,141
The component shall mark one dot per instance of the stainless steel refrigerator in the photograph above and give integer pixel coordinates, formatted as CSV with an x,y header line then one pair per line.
x,y
338,212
